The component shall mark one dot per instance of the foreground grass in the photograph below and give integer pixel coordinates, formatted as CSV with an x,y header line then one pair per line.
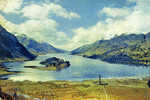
x,y
118,89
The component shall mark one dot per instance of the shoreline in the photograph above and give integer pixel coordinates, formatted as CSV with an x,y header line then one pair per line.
x,y
96,79
4,70
80,81
122,63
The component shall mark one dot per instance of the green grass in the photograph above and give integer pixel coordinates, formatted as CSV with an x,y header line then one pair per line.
x,y
137,50
52,68
117,89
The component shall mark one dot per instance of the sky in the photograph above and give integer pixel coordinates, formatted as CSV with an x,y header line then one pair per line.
x,y
69,24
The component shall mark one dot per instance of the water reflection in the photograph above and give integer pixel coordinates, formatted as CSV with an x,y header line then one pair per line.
x,y
80,69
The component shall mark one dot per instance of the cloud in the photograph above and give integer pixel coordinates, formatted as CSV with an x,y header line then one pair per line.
x,y
114,12
10,6
35,12
60,11
41,26
35,26
41,30
38,25
89,34
2,4
44,10
117,22
45,30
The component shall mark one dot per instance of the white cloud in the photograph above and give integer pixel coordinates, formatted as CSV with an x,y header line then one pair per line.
x,y
131,1
87,35
35,26
2,4
35,12
114,12
118,21
42,11
41,30
10,6
60,11
39,25
45,30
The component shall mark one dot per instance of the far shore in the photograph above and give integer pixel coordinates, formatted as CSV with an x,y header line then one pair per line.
x,y
134,63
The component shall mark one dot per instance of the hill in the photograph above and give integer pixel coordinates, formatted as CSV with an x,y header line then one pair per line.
x,y
10,48
37,47
124,49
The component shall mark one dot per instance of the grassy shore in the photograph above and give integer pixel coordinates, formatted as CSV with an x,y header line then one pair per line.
x,y
13,60
117,89
4,71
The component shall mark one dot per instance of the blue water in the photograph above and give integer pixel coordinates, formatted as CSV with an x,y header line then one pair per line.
x,y
80,69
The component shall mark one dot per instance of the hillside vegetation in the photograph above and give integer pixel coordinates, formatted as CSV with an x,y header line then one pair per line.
x,y
10,48
36,47
124,49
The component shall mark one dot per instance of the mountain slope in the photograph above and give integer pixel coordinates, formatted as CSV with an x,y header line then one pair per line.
x,y
10,48
36,47
124,49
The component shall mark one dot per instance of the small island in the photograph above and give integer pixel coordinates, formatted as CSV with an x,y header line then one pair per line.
x,y
52,64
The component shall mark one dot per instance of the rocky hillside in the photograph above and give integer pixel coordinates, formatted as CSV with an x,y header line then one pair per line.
x,y
10,48
37,47
124,49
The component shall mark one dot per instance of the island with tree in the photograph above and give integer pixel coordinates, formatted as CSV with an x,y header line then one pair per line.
x,y
52,64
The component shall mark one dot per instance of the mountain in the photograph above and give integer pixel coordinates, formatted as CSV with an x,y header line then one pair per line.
x,y
10,48
37,47
125,49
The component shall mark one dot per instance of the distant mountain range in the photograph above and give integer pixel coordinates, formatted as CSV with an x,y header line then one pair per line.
x,y
10,48
36,47
124,49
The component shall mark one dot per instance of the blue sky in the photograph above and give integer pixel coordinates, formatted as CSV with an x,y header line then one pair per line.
x,y
68,24
88,10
